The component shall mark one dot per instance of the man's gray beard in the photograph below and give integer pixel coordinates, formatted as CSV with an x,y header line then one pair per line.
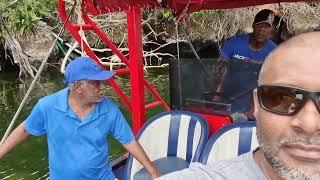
x,y
272,156
98,100
94,101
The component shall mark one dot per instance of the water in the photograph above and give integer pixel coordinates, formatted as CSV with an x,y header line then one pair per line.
x,y
29,160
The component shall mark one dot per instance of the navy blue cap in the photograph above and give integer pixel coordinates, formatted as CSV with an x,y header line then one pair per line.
x,y
85,68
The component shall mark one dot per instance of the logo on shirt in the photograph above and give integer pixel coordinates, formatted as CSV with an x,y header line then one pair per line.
x,y
237,56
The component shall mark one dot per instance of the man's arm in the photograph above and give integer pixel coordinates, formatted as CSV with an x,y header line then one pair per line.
x,y
226,53
220,86
219,89
136,150
15,138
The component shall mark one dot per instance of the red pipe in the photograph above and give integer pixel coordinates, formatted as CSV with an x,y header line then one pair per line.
x,y
136,67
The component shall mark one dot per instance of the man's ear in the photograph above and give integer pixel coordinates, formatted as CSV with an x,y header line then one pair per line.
x,y
78,87
255,102
253,26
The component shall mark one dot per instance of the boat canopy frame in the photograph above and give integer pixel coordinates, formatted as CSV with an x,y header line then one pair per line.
x,y
134,64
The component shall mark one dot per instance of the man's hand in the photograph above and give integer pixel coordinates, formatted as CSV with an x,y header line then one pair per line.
x,y
216,98
138,153
249,113
155,174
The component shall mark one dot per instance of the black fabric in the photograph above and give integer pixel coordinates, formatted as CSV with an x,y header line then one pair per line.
x,y
265,15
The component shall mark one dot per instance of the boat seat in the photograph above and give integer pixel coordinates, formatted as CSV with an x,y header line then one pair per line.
x,y
230,141
171,140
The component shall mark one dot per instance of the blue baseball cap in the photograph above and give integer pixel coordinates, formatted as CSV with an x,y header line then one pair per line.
x,y
85,68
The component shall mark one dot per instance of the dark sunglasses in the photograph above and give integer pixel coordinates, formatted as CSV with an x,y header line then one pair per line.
x,y
285,100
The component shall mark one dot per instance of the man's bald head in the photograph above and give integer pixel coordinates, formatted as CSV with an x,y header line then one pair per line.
x,y
295,57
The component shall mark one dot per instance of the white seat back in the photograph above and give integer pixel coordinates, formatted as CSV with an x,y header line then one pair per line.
x,y
171,134
230,141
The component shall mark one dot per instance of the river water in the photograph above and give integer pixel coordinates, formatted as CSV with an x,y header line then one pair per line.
x,y
29,160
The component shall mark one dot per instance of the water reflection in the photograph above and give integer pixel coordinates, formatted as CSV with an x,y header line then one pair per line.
x,y
29,159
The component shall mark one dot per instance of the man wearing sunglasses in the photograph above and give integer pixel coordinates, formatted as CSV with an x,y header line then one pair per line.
x,y
77,122
287,110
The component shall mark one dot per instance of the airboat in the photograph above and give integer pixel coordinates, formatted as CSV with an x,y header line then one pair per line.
x,y
180,131
178,136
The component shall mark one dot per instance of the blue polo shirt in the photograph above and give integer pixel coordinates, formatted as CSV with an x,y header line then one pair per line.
x,y
78,149
237,48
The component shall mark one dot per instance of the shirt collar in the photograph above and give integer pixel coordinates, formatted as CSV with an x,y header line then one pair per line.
x,y
62,100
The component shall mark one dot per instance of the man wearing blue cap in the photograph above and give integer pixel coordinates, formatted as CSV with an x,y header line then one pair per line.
x,y
77,121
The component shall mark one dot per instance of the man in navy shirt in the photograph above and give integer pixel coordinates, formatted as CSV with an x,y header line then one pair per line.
x,y
245,54
77,121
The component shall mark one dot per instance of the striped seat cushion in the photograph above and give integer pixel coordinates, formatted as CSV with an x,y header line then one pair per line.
x,y
230,141
178,134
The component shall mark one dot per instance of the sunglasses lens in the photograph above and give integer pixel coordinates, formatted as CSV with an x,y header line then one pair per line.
x,y
283,100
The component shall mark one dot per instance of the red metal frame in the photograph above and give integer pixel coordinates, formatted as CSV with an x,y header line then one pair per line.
x,y
179,6
134,65
216,121
136,74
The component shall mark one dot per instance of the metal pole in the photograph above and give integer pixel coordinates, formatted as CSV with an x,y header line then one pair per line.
x,y
136,67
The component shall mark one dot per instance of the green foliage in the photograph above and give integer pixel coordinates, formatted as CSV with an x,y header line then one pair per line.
x,y
208,14
165,14
24,20
1,34
39,8
23,15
